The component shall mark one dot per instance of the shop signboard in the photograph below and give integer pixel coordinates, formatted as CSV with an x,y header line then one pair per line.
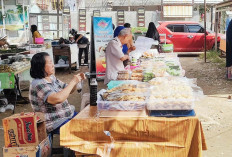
x,y
141,17
96,13
103,34
120,16
82,20
66,10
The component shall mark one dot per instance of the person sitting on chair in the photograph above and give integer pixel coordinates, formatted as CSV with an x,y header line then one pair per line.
x,y
49,95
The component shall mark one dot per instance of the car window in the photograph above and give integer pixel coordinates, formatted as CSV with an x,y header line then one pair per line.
x,y
178,28
195,29
170,27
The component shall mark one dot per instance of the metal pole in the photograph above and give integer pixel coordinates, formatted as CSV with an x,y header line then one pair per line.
x,y
162,11
211,18
205,27
28,25
129,5
58,21
216,30
4,17
24,25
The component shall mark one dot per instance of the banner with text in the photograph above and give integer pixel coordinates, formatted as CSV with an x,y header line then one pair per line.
x,y
103,34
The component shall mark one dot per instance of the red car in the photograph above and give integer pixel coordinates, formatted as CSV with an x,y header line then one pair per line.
x,y
186,36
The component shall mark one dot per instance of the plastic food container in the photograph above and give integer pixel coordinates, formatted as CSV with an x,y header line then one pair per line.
x,y
121,105
167,47
171,104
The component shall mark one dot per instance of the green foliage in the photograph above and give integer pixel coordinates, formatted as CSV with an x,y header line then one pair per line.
x,y
20,9
10,11
213,56
138,29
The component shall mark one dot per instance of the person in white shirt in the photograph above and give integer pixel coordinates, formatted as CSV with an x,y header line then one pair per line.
x,y
115,56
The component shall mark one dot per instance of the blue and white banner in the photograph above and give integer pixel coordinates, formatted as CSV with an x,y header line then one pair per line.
x,y
103,34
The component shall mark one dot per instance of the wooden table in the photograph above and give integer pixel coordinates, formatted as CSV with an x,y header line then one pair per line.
x,y
145,137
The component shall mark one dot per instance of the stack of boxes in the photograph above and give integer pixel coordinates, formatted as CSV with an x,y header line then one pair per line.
x,y
25,136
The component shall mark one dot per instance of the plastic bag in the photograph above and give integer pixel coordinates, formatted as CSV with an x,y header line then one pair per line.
x,y
61,61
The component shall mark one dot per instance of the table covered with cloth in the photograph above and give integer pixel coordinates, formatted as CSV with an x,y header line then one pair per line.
x,y
143,137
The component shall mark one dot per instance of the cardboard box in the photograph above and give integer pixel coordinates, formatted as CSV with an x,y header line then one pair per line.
x,y
26,129
42,150
222,45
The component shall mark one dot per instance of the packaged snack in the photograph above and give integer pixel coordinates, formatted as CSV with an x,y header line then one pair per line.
x,y
123,77
123,72
137,70
137,75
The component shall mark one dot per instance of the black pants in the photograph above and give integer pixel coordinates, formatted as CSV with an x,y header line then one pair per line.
x,y
86,50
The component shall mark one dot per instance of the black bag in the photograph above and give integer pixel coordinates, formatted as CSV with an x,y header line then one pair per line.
x,y
64,41
83,40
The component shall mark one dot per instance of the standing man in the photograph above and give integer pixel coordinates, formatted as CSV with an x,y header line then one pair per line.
x,y
115,56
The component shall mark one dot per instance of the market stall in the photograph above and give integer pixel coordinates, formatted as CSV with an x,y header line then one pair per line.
x,y
148,136
147,111
13,70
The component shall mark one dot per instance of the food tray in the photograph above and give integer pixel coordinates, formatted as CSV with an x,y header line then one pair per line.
x,y
171,104
121,105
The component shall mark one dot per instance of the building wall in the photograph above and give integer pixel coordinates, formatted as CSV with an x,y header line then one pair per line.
x,y
131,17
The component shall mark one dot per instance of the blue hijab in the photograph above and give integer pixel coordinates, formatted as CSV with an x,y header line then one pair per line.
x,y
117,30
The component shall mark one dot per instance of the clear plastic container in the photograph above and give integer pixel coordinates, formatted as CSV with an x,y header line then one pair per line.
x,y
172,93
121,105
170,104
104,104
